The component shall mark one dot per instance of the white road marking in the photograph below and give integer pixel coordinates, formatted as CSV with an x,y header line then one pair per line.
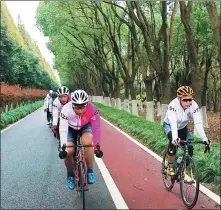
x,y
114,191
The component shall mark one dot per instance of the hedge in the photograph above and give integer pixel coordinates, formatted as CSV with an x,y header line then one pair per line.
x,y
18,113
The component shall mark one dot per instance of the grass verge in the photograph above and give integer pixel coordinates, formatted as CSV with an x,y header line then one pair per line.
x,y
18,113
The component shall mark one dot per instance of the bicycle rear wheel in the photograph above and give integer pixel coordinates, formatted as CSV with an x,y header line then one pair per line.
x,y
189,184
81,175
167,180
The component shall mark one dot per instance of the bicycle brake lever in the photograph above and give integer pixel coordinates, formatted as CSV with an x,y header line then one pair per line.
x,y
98,154
63,147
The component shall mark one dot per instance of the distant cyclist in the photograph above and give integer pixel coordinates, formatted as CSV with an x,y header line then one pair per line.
x,y
79,114
58,103
48,106
180,110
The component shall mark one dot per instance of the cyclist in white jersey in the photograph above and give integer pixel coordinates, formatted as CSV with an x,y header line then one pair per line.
x,y
48,105
62,99
179,112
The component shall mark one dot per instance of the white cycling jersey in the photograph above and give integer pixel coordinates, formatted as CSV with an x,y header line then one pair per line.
x,y
178,118
48,102
57,106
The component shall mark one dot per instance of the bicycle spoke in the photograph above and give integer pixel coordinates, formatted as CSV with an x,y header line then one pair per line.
x,y
189,185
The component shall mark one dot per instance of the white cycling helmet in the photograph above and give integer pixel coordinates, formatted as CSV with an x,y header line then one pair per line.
x,y
63,91
50,91
79,98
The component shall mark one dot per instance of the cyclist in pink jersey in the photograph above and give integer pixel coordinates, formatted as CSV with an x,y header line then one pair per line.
x,y
79,114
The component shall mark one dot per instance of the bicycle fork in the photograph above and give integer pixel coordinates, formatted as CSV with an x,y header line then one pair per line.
x,y
77,179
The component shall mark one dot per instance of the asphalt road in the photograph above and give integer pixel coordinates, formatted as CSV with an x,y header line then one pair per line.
x,y
33,176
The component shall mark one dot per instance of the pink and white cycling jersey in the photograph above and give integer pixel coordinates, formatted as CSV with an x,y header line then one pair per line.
x,y
57,106
68,118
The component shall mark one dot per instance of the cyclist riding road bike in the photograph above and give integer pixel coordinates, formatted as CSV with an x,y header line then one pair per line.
x,y
180,110
48,106
79,114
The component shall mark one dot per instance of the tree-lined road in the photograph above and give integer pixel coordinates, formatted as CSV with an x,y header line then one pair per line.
x,y
33,176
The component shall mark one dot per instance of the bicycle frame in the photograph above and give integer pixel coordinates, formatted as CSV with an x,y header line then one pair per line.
x,y
184,158
79,157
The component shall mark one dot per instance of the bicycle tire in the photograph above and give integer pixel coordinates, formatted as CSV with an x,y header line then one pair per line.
x,y
168,186
191,204
81,175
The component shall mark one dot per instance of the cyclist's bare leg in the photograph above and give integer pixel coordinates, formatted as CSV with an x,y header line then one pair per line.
x,y
171,150
87,139
68,161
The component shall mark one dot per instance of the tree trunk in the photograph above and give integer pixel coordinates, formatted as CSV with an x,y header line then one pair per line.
x,y
126,87
117,88
196,78
215,24
111,89
152,44
105,87
165,77
204,92
132,90
148,88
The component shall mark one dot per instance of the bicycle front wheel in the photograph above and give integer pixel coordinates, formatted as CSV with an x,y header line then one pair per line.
x,y
82,182
167,180
189,184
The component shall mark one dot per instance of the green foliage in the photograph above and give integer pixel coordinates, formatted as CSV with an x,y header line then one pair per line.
x,y
151,134
18,113
75,35
77,29
21,66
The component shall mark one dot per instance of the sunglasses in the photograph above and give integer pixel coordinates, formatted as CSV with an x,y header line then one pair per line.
x,y
187,99
77,107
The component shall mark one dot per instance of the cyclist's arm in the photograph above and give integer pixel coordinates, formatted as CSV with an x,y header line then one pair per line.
x,y
198,122
173,121
63,127
55,113
95,123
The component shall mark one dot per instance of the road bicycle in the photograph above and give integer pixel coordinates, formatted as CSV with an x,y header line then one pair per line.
x,y
186,173
80,166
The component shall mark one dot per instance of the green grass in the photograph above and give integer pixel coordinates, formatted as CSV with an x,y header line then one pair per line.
x,y
151,135
18,113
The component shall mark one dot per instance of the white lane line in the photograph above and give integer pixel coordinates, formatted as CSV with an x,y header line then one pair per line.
x,y
203,189
19,120
115,193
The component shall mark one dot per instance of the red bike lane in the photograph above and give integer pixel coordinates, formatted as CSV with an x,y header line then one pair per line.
x,y
138,175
